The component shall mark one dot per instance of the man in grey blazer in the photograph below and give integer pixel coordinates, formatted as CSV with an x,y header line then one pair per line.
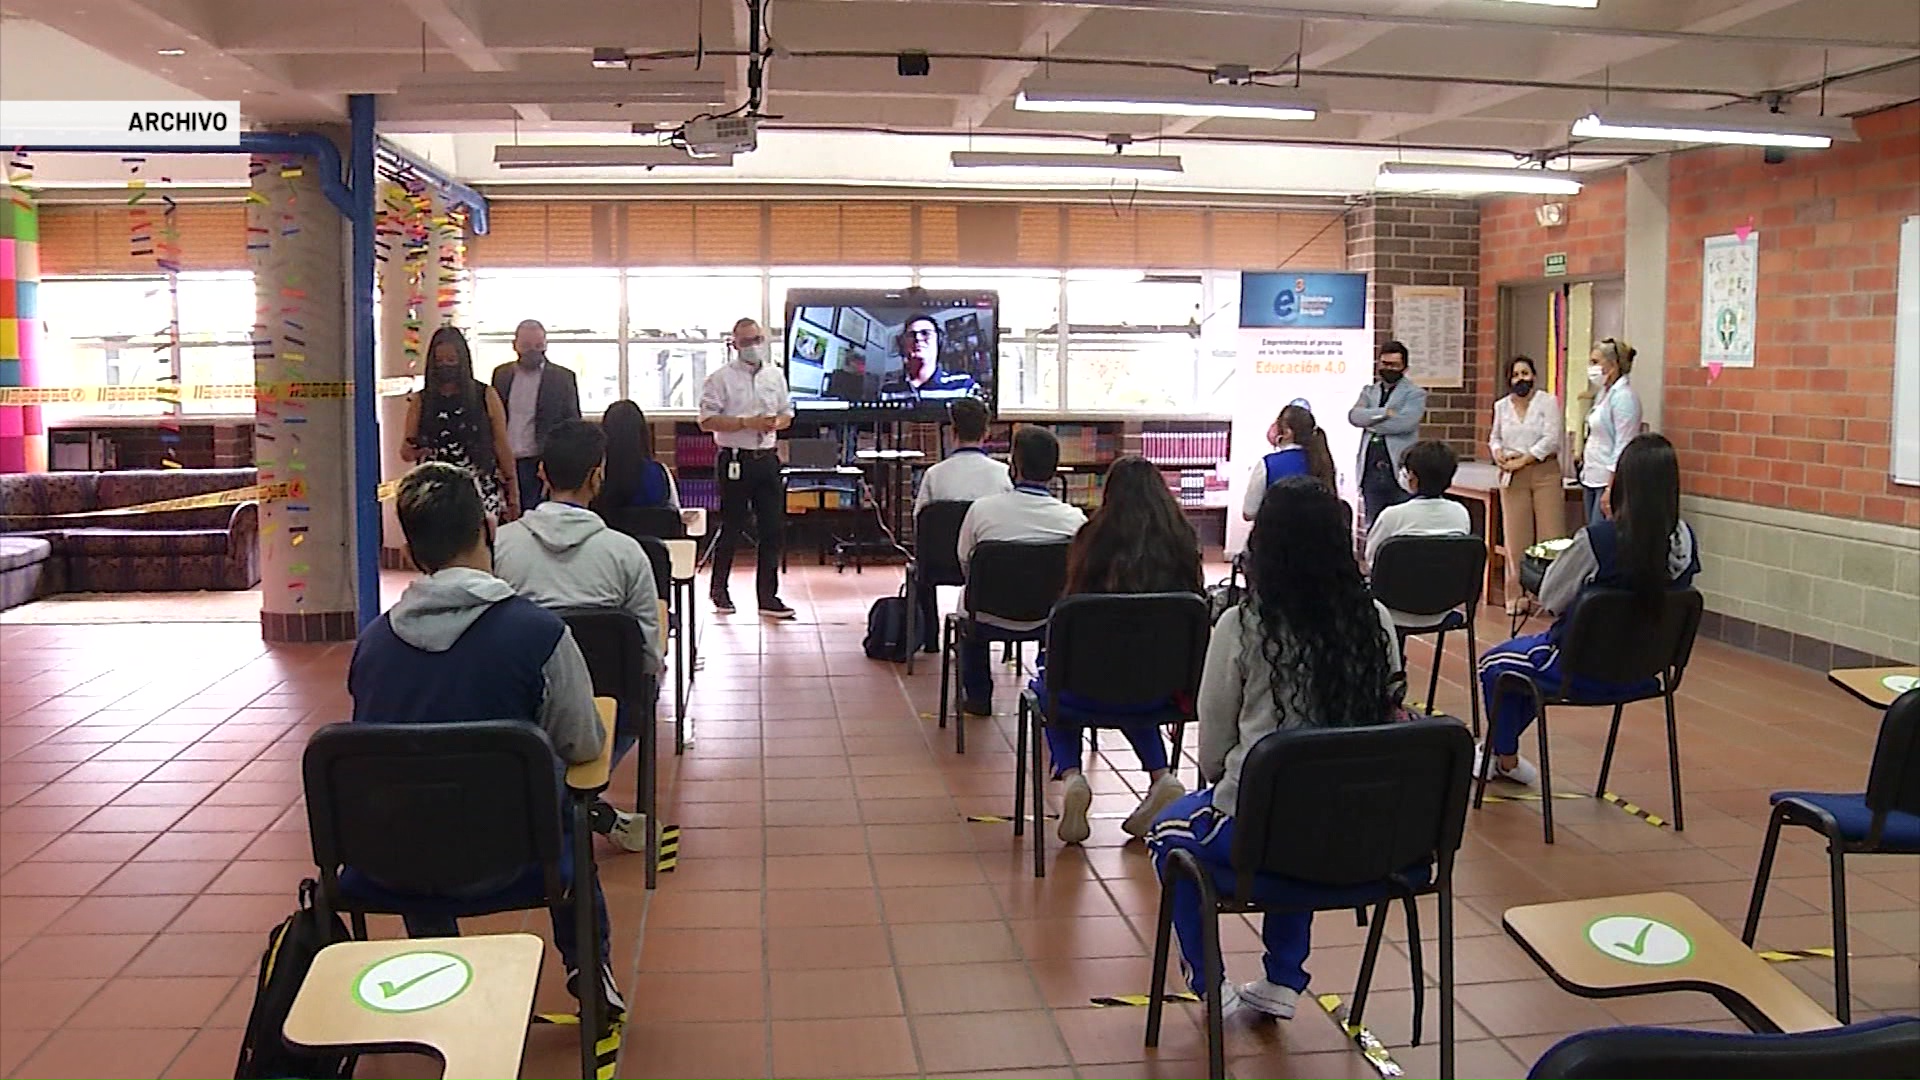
x,y
1388,414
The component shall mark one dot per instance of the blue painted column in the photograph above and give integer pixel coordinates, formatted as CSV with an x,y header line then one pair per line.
x,y
366,389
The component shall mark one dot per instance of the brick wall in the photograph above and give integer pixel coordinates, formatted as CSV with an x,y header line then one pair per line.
x,y
1808,426
1514,249
1419,241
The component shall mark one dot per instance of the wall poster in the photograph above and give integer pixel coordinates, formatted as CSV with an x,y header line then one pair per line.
x,y
1729,282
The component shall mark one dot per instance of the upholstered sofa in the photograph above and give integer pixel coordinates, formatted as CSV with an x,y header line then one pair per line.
x,y
207,548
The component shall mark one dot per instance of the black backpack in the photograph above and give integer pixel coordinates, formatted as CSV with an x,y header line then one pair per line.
x,y
291,947
887,629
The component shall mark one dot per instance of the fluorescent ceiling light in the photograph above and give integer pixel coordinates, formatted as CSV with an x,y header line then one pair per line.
x,y
1123,99
588,88
1560,3
599,157
988,159
1473,179
1740,127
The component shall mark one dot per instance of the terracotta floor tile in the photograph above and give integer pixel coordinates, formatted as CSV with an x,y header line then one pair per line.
x,y
153,1003
44,1004
834,994
994,1040
953,943
822,907
70,956
119,915
144,878
810,948
701,950
54,879
209,954
871,1046
82,1052
954,988
698,997
690,909
939,903
694,1050
211,1053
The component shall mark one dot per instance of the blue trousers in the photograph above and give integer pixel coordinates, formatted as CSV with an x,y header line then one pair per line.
x,y
1535,655
976,660
527,473
1192,824
1065,737
1592,497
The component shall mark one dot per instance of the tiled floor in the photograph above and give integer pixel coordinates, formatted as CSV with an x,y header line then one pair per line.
x,y
833,913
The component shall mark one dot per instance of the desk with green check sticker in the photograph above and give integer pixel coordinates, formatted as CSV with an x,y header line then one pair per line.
x,y
1651,943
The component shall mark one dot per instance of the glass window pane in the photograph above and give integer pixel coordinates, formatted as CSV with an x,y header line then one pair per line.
x,y
696,304
595,366
668,374
225,363
569,303
1132,372
217,307
108,307
1126,298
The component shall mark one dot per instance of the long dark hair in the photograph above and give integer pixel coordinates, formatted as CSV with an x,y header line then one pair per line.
x,y
1139,540
1318,622
629,454
1306,434
476,431
1645,502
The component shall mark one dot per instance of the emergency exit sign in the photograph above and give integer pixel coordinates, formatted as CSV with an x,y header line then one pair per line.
x,y
1557,264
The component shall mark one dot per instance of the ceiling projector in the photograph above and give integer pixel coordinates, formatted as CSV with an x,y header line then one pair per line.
x,y
708,136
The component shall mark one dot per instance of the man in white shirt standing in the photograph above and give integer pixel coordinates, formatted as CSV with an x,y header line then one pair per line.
x,y
967,475
1027,514
743,404
1429,467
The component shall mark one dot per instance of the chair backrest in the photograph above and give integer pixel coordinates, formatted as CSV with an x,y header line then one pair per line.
x,y
936,535
433,809
1128,648
662,562
1017,582
1429,575
644,521
1885,1048
1610,640
1893,781
1345,806
615,649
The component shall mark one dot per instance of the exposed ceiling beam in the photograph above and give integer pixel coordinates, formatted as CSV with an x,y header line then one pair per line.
x,y
1569,61
453,24
1045,27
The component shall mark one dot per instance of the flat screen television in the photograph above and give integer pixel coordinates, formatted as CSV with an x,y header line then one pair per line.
x,y
890,354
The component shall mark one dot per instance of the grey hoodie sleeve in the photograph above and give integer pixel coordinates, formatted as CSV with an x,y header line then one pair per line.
x,y
1568,575
1222,686
566,712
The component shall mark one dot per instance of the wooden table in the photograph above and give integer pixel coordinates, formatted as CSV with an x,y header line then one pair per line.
x,y
682,555
695,519
463,998
1477,484
1619,946
591,776
1870,684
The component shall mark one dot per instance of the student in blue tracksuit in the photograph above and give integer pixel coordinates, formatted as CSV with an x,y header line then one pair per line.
x,y
1299,449
1643,546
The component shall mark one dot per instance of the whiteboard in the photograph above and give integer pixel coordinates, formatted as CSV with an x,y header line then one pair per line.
x,y
1906,359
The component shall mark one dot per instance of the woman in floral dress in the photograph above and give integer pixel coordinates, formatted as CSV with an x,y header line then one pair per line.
x,y
459,420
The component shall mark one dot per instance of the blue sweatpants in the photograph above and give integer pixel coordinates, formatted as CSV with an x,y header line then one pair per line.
x,y
1193,824
1535,655
1065,737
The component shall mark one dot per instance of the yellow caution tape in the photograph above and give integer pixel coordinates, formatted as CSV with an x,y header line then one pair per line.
x,y
669,848
1140,1001
606,1051
170,393
1369,1046
290,489
1783,956
1534,796
1640,812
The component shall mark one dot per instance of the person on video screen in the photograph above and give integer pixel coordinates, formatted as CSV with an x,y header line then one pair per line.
x,y
920,375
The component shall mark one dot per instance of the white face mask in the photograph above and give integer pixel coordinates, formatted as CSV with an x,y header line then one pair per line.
x,y
1596,377
753,355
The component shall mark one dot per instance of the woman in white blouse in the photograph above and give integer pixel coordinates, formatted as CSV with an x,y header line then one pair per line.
x,y
1613,423
1526,447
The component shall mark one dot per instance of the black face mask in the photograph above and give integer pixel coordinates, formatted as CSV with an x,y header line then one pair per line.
x,y
536,356
1522,387
1389,376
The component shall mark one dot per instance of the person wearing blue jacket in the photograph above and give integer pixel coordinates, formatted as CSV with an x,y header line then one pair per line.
x,y
1388,414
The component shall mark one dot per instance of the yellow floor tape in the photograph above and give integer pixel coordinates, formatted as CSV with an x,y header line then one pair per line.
x,y
1533,796
606,1051
1370,1047
1140,1001
1783,956
1640,812
669,848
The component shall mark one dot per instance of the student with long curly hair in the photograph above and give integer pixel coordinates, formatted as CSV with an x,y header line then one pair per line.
x,y
1139,541
1309,647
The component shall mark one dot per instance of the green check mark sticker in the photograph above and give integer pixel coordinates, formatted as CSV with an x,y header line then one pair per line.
x,y
412,982
1636,939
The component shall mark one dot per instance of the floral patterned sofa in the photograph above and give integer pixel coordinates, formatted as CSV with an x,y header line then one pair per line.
x,y
210,548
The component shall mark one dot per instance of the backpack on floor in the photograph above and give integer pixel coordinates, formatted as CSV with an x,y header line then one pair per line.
x,y
291,947
887,629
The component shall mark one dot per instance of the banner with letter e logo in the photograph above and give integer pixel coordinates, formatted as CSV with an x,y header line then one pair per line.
x,y
157,124
1303,337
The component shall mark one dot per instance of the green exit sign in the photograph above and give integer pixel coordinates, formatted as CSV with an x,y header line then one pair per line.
x,y
1557,264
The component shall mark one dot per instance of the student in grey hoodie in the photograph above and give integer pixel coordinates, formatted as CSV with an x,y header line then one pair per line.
x,y
562,556
461,646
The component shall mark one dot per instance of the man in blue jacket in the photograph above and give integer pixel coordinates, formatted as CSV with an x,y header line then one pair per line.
x,y
1388,415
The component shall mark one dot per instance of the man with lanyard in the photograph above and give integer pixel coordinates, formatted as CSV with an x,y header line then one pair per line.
x,y
967,475
1388,412
920,375
1027,514
743,404
537,396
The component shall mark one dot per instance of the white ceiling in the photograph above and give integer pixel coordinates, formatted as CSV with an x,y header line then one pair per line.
x,y
1403,77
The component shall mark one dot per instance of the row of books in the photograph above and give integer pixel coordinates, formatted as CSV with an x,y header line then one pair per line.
x,y
1184,445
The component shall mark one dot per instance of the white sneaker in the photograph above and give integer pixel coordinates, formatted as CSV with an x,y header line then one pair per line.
x,y
1160,796
629,830
1270,999
609,990
1074,803
1522,772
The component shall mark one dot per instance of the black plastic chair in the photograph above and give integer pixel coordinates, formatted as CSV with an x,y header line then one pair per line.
x,y
935,561
1126,651
1010,582
678,628
660,522
1608,640
1439,578
1330,819
1883,820
1883,1049
402,815
615,648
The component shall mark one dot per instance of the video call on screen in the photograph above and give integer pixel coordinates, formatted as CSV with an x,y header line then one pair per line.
x,y
878,353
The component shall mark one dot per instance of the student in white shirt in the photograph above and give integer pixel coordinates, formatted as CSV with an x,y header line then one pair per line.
x,y
967,474
1027,514
742,405
1427,469
1526,447
1613,423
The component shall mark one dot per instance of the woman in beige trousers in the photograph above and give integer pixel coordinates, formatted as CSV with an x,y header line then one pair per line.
x,y
1526,446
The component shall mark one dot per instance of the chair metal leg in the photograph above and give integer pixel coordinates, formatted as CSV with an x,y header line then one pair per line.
x,y
959,711
1673,764
649,799
913,620
1473,675
1842,983
1037,767
1157,982
1763,874
946,668
1376,927
1445,904
1546,773
1418,961
1606,759
1215,975
680,689
587,933
1020,769
1433,681
359,923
